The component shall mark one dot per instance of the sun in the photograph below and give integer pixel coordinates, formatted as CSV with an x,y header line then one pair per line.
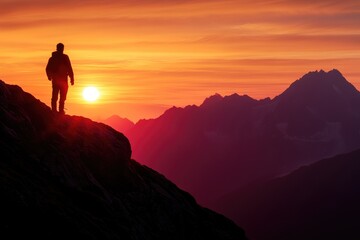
x,y
91,94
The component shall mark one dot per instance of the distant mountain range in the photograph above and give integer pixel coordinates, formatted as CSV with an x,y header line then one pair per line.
x,y
120,124
231,141
67,177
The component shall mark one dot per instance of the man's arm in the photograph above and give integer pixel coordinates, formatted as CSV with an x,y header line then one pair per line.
x,y
70,71
49,68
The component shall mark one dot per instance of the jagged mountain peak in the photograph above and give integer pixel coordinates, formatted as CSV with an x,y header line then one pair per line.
x,y
214,99
69,177
332,76
321,73
315,100
120,124
118,118
233,99
321,83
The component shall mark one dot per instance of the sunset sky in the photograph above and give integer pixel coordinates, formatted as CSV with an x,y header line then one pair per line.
x,y
146,56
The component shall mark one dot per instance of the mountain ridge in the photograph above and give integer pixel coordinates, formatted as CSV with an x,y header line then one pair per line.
x,y
118,123
259,139
324,194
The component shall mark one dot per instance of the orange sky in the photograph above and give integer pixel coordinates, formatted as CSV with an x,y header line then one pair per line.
x,y
148,55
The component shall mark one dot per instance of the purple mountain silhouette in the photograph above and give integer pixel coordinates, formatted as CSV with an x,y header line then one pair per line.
x,y
68,177
118,123
320,201
229,142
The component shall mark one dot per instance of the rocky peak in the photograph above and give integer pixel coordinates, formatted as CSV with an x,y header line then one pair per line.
x,y
214,99
120,124
322,84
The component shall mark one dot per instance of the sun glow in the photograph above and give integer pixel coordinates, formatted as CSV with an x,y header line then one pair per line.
x,y
91,94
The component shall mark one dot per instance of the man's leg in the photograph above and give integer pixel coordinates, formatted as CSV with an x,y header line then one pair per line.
x,y
54,97
63,92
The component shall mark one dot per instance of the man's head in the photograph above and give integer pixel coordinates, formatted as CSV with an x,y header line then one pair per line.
x,y
60,47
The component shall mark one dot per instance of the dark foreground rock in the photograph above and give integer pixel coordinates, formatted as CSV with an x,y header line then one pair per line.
x,y
69,177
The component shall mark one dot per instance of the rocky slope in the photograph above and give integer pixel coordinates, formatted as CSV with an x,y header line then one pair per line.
x,y
68,177
319,201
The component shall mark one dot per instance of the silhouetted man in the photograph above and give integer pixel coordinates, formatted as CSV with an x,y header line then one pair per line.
x,y
57,70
